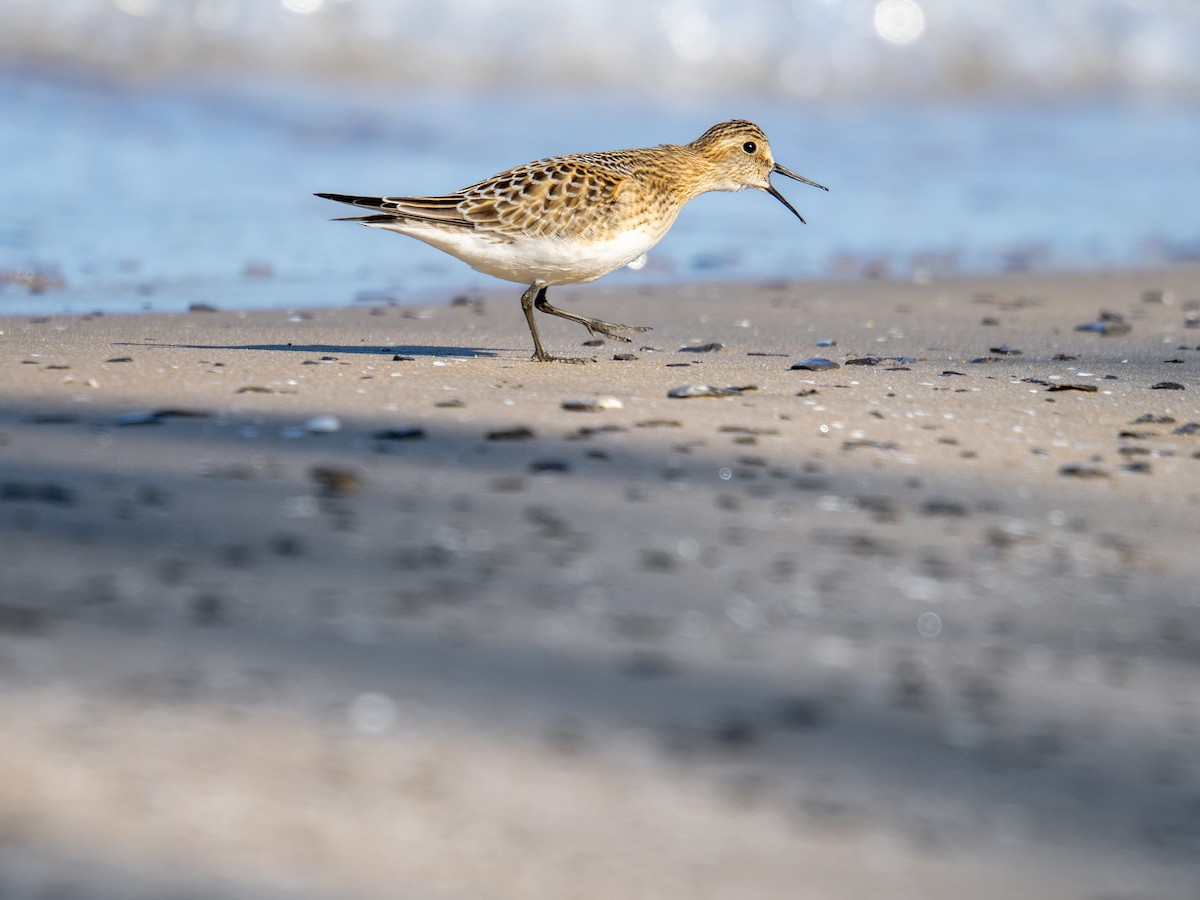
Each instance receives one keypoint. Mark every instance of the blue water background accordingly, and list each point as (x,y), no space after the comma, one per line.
(157,186)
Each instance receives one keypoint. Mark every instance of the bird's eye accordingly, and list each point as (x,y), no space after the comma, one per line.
(749,146)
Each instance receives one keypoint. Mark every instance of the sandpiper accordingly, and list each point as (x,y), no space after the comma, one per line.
(572,219)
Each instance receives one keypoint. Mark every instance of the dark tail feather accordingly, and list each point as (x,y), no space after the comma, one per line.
(371,202)
(368,220)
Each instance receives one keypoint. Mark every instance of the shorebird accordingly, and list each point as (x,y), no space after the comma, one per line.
(572,219)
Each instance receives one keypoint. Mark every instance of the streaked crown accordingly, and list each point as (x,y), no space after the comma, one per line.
(740,153)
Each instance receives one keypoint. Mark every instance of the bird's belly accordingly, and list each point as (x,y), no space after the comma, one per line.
(549,261)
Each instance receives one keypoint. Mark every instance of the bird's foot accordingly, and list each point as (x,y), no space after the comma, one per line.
(546,357)
(610,330)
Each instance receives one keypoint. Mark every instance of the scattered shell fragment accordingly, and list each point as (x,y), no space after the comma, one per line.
(815,364)
(157,416)
(593,404)
(324,424)
(686,391)
(1108,324)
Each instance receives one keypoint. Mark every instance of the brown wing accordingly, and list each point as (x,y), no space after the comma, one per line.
(576,196)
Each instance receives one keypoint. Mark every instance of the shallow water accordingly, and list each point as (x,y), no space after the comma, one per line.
(122,198)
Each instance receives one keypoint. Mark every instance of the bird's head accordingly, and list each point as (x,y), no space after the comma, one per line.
(740,157)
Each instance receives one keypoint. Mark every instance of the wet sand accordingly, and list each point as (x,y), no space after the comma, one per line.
(362,602)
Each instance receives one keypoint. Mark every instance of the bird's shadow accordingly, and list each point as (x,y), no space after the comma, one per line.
(333,349)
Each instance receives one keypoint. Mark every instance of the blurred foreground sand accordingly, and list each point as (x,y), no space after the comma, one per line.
(282,615)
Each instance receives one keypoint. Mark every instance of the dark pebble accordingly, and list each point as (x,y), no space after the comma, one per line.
(624,357)
(865,361)
(208,609)
(21,619)
(254,389)
(757,353)
(1005,351)
(801,713)
(120,359)
(647,664)
(703,348)
(815,364)
(946,373)
(870,445)
(594,342)
(1167,386)
(735,733)
(943,508)
(1073,470)
(1153,419)
(287,545)
(520,433)
(37,492)
(401,358)
(202,307)
(1064,357)
(399,434)
(1189,428)
(1083,388)
(549,465)
(983,360)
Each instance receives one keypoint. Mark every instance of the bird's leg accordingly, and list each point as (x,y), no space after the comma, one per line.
(536,296)
(595,326)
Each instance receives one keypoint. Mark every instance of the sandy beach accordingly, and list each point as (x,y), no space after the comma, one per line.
(361,602)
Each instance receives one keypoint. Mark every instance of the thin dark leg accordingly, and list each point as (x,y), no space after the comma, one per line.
(527,300)
(595,326)
(536,296)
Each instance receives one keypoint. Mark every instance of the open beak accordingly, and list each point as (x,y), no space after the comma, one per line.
(788,173)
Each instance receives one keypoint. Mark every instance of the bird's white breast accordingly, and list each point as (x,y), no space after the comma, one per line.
(526,260)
